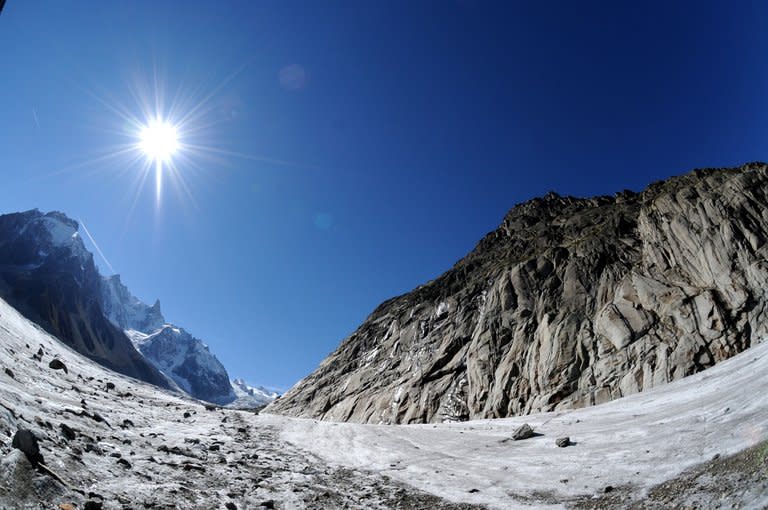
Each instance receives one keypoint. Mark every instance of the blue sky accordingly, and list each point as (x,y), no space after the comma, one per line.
(354,149)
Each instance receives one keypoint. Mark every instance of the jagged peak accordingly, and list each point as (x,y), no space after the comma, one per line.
(63,218)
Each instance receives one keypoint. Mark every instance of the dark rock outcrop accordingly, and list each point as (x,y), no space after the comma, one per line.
(26,441)
(570,302)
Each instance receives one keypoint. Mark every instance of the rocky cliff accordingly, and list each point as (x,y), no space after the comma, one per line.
(570,302)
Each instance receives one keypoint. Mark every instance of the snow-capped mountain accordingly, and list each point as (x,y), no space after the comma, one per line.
(186,360)
(172,350)
(249,397)
(48,275)
(126,310)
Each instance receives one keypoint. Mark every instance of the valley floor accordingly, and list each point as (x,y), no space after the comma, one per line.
(110,439)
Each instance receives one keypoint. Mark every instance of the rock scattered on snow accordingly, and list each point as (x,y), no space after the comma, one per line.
(26,441)
(524,431)
(57,364)
(67,431)
(562,442)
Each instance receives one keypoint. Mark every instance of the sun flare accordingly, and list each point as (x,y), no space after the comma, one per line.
(158,140)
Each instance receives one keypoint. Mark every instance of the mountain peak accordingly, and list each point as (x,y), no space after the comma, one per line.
(127,311)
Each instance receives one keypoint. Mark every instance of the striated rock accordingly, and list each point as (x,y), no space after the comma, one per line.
(570,302)
(524,431)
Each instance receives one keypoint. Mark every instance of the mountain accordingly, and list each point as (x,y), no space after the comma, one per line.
(570,302)
(250,397)
(48,275)
(126,310)
(171,349)
(90,438)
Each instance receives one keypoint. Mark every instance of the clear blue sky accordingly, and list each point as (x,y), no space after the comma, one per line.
(400,133)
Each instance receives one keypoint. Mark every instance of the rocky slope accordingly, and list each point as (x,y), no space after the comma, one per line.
(570,302)
(108,441)
(113,442)
(47,274)
(172,350)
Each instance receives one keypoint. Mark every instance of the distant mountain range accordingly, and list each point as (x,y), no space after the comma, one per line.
(47,273)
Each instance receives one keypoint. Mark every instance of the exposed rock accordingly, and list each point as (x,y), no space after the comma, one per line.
(562,442)
(93,505)
(524,431)
(67,431)
(26,441)
(570,302)
(9,373)
(57,364)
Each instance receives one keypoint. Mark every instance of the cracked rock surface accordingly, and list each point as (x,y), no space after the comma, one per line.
(570,302)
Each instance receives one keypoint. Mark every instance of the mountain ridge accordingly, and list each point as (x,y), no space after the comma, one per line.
(569,302)
(47,273)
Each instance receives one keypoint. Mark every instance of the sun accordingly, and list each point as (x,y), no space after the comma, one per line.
(158,140)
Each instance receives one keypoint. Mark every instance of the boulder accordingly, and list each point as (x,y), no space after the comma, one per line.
(524,431)
(57,364)
(26,441)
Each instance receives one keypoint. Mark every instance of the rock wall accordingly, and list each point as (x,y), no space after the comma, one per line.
(570,302)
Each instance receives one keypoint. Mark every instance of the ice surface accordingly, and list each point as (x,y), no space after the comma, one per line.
(637,441)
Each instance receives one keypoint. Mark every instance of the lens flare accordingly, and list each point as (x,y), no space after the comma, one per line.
(158,140)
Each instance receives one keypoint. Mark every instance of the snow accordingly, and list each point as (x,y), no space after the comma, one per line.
(182,454)
(249,397)
(125,310)
(639,441)
(61,233)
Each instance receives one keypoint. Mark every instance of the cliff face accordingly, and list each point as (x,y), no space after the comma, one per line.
(570,302)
